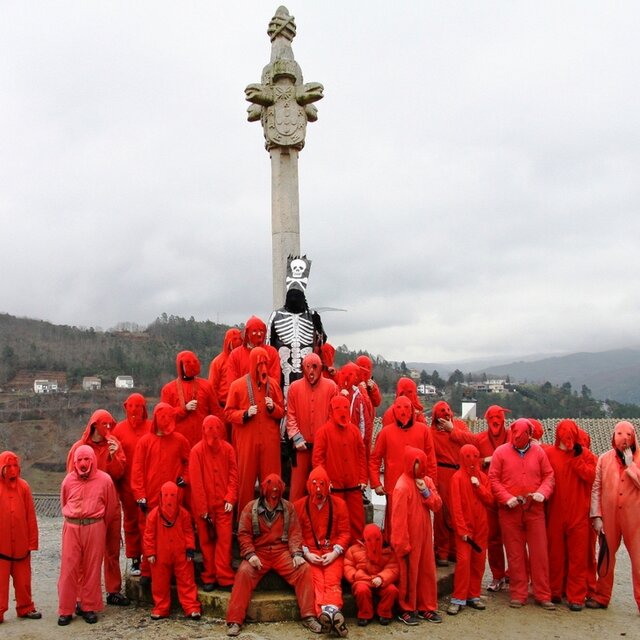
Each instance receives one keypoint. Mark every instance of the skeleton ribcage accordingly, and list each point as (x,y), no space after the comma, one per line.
(292,328)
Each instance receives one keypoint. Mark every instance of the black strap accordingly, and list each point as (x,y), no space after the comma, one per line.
(11,559)
(327,535)
(448,465)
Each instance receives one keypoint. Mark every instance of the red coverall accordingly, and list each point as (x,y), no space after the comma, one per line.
(389,448)
(367,382)
(276,543)
(523,472)
(239,364)
(469,502)
(568,527)
(324,521)
(412,536)
(129,432)
(585,441)
(256,437)
(213,473)
(308,406)
(169,545)
(89,500)
(361,410)
(18,535)
(363,563)
(339,449)
(327,355)
(616,499)
(114,465)
(448,457)
(406,387)
(193,398)
(161,455)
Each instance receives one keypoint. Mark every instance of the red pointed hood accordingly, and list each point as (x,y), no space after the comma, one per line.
(9,466)
(135,408)
(169,504)
(102,422)
(440,410)
(407,387)
(470,459)
(232,339)
(410,458)
(187,365)
(318,485)
(213,430)
(255,331)
(567,434)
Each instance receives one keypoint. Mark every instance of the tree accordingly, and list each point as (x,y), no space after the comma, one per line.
(436,380)
(424,377)
(456,377)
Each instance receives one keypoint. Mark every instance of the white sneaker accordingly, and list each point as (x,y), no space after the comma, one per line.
(497,585)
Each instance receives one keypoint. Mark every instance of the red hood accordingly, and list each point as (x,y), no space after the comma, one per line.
(567,433)
(187,365)
(407,387)
(440,410)
(233,338)
(100,415)
(624,428)
(318,484)
(136,400)
(85,451)
(253,324)
(470,459)
(7,458)
(411,456)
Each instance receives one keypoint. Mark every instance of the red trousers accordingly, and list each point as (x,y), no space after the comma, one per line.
(364,594)
(255,460)
(216,553)
(418,585)
(83,549)
(568,550)
(130,511)
(467,579)
(495,549)
(112,575)
(355,506)
(327,583)
(20,572)
(524,527)
(299,475)
(280,561)
(161,573)
(444,538)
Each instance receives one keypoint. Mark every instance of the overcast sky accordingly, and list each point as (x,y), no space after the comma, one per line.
(471,187)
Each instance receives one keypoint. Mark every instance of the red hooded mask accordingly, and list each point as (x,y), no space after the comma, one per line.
(407,387)
(521,431)
(567,435)
(164,419)
(312,368)
(259,366)
(328,354)
(187,365)
(271,490)
(470,459)
(624,436)
(403,411)
(340,411)
(169,503)
(84,462)
(9,466)
(494,416)
(100,422)
(135,408)
(349,376)
(584,438)
(373,543)
(415,462)
(212,432)
(232,340)
(537,429)
(255,331)
(318,485)
(441,410)
(366,367)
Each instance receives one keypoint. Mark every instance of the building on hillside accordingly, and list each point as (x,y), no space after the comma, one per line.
(45,386)
(124,382)
(496,386)
(427,390)
(414,374)
(91,383)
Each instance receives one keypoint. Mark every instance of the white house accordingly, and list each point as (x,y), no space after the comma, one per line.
(124,382)
(91,383)
(45,386)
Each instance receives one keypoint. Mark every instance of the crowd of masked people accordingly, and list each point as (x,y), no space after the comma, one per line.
(183,479)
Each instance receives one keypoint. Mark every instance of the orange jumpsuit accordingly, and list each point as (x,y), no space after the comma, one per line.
(360,407)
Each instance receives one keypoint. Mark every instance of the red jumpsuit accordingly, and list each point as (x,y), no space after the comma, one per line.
(365,561)
(183,391)
(275,542)
(256,438)
(568,527)
(327,355)
(523,472)
(339,449)
(368,384)
(129,431)
(361,410)
(239,364)
(389,449)
(585,441)
(89,501)
(469,503)
(412,535)
(616,499)
(307,410)
(169,545)
(213,473)
(114,465)
(324,521)
(18,535)
(406,387)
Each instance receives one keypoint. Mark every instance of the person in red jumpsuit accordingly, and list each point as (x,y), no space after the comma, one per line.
(18,538)
(521,480)
(218,374)
(169,546)
(407,388)
(592,574)
(128,432)
(360,408)
(238,364)
(213,474)
(254,408)
(308,407)
(443,429)
(339,449)
(574,470)
(615,509)
(324,521)
(389,450)
(470,498)
(161,455)
(89,502)
(368,386)
(372,570)
(328,355)
(110,458)
(270,538)
(414,498)
(192,397)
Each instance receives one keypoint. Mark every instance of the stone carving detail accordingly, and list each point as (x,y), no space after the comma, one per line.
(282,102)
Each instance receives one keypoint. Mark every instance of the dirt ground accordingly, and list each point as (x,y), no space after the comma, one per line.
(498,621)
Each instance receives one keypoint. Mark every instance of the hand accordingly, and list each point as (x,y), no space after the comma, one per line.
(228,507)
(512,502)
(313,558)
(254,561)
(627,454)
(301,446)
(180,481)
(380,491)
(596,523)
(252,410)
(344,392)
(370,383)
(328,558)
(192,405)
(486,461)
(445,425)
(269,403)
(362,485)
(474,481)
(376,582)
(142,504)
(421,484)
(465,538)
(537,496)
(297,561)
(151,559)
(112,445)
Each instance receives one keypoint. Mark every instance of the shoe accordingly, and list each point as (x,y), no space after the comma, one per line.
(497,585)
(476,604)
(63,621)
(547,605)
(312,624)
(575,606)
(454,609)
(442,562)
(594,604)
(79,611)
(430,616)
(90,617)
(409,619)
(325,621)
(556,599)
(118,599)
(363,622)
(157,616)
(233,629)
(145,581)
(208,586)
(135,568)
(194,615)
(384,621)
(32,615)
(516,604)
(340,625)
(452,557)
